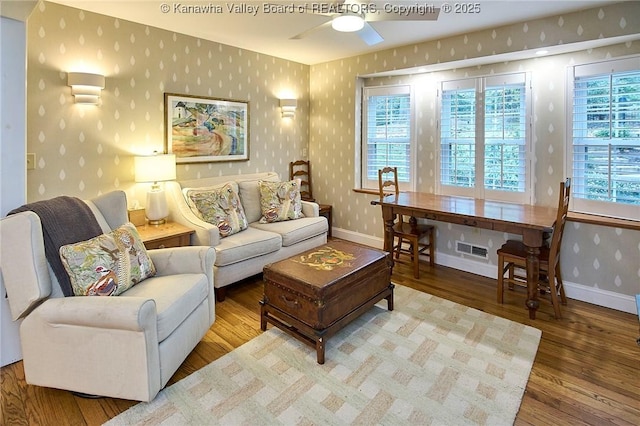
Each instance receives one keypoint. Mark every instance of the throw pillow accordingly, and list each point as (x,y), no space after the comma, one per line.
(280,201)
(109,264)
(220,207)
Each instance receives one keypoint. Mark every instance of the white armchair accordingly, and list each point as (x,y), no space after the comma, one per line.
(127,346)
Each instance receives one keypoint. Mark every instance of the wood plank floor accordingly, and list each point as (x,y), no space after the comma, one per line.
(586,372)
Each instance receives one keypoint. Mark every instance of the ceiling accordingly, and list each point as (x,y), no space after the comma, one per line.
(259,26)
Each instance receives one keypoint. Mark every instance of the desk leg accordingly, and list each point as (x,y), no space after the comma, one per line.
(533,272)
(389,220)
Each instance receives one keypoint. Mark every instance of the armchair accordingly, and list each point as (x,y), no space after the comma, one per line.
(125,346)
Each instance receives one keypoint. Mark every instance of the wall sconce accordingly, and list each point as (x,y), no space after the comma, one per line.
(85,87)
(288,107)
(156,168)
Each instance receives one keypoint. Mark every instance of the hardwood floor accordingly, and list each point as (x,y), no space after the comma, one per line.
(586,372)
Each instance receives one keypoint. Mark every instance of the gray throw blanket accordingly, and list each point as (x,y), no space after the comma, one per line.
(65,220)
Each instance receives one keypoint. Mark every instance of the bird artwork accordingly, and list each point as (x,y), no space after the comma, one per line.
(106,284)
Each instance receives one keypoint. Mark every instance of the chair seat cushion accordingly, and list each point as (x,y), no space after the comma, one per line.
(406,229)
(176,296)
(515,248)
(294,231)
(247,244)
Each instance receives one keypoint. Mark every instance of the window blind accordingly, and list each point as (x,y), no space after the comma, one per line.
(606,135)
(387,132)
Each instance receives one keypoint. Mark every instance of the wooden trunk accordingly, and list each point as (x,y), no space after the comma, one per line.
(316,293)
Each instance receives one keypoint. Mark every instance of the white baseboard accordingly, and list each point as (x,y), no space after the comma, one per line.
(596,296)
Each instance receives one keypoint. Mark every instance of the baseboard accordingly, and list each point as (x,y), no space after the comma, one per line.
(357,237)
(595,296)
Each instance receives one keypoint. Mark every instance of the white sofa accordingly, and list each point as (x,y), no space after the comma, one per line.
(244,254)
(125,346)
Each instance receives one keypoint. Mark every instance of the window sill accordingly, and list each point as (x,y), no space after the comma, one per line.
(365,191)
(604,220)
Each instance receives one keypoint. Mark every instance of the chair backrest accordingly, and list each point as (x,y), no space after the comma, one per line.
(301,169)
(558,229)
(385,182)
(24,269)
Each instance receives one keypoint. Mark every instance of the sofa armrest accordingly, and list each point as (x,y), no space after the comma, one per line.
(184,260)
(205,233)
(118,312)
(310,209)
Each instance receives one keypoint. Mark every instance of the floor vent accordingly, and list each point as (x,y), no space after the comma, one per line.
(472,250)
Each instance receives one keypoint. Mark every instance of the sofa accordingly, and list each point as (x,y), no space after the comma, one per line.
(245,253)
(126,346)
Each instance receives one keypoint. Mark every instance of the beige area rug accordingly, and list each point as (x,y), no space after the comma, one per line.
(430,361)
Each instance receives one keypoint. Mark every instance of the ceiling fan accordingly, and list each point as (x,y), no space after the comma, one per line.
(354,16)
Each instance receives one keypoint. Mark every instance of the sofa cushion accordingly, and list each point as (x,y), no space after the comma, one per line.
(176,296)
(219,206)
(250,195)
(294,231)
(246,245)
(280,201)
(108,264)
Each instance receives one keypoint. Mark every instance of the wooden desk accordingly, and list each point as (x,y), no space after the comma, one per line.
(532,222)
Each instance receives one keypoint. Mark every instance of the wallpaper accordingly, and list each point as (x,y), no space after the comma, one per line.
(84,151)
(593,256)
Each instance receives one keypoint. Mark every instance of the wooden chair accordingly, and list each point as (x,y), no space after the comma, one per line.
(301,169)
(410,232)
(513,255)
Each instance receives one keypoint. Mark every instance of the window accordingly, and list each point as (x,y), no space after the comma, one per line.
(604,154)
(387,134)
(484,137)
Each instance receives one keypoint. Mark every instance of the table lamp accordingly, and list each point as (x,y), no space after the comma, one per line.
(156,168)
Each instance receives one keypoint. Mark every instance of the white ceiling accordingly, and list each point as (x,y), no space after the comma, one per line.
(270,33)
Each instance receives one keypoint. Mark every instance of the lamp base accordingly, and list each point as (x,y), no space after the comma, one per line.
(157,209)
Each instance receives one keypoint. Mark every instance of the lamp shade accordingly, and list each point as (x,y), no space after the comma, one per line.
(155,168)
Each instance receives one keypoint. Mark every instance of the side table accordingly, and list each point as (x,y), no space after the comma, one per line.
(326,210)
(168,234)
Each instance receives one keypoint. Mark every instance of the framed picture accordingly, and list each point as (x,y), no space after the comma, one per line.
(201,130)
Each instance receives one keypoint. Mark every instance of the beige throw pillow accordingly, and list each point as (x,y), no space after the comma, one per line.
(109,264)
(280,201)
(220,206)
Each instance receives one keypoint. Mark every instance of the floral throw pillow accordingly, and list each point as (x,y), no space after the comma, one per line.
(280,201)
(220,207)
(109,264)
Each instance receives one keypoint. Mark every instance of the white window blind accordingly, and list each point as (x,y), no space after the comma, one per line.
(387,134)
(484,137)
(458,129)
(605,158)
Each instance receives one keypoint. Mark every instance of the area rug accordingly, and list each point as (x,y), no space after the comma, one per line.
(428,362)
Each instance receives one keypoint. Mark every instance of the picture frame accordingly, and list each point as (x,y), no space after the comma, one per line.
(202,129)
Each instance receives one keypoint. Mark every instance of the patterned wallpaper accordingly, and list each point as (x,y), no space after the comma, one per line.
(85,151)
(593,256)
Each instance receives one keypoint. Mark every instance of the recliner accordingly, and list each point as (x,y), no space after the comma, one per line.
(127,346)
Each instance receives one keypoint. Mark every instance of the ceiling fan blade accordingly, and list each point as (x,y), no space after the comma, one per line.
(431,14)
(311,30)
(370,35)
